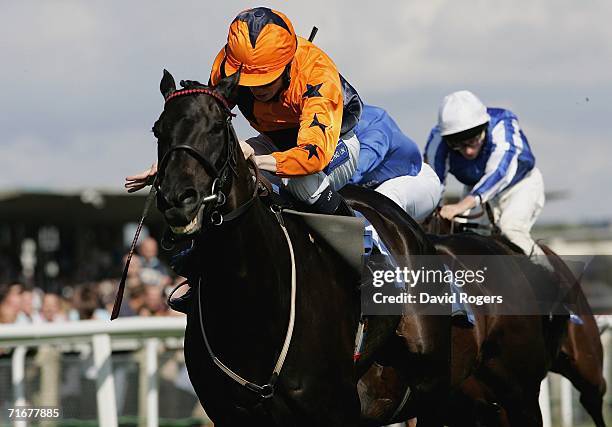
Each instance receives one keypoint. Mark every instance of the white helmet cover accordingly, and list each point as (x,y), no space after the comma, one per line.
(461,111)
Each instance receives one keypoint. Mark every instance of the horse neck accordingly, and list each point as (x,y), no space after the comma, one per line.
(244,291)
(248,251)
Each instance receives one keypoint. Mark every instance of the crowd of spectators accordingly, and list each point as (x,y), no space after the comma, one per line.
(148,284)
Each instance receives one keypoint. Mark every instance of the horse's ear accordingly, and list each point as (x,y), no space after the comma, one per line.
(167,84)
(227,85)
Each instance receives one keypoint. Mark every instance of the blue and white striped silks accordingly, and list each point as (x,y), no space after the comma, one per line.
(504,159)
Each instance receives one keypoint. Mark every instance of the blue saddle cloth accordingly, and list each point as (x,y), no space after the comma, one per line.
(368,238)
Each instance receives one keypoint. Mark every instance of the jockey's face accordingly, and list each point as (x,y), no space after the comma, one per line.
(470,148)
(267,93)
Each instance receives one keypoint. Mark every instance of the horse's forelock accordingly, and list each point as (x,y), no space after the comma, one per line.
(185,119)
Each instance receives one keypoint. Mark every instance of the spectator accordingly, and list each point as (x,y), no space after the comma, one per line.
(148,251)
(10,302)
(107,290)
(30,306)
(154,304)
(88,303)
(52,310)
(135,301)
(153,271)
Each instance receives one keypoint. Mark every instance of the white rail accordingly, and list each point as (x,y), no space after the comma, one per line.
(99,334)
(103,335)
(82,331)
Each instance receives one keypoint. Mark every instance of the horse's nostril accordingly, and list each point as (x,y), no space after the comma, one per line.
(188,197)
(162,202)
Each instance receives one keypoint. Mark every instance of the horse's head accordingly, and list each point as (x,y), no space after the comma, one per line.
(196,152)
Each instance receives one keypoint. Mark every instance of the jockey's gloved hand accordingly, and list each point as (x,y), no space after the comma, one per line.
(247,150)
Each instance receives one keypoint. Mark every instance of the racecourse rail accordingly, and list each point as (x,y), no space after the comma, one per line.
(98,333)
(104,336)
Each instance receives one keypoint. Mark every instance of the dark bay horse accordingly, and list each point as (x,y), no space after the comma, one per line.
(242,328)
(271,328)
(580,358)
(494,367)
(244,281)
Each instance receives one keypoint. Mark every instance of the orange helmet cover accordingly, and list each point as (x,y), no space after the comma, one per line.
(261,42)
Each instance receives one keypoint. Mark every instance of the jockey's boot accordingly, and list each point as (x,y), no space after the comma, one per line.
(184,264)
(183,303)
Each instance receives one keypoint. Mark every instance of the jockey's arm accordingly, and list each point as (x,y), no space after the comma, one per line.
(266,162)
(452,210)
(321,109)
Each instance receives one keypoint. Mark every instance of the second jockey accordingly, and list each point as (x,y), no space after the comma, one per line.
(486,150)
(310,122)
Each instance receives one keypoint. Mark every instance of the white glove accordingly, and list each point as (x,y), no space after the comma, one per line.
(247,150)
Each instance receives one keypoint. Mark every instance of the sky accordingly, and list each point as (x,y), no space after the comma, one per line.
(80,79)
